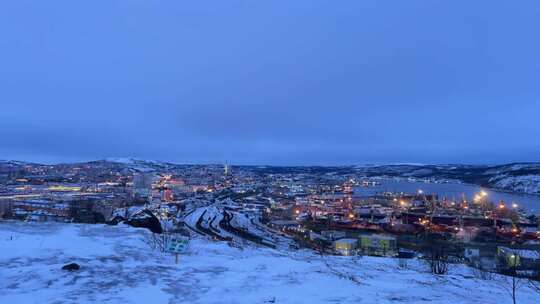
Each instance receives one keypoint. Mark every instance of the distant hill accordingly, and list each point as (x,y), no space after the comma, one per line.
(517,177)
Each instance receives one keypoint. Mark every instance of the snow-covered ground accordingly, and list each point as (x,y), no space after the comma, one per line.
(118,267)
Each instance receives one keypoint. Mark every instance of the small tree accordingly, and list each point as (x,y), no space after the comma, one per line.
(534,280)
(512,283)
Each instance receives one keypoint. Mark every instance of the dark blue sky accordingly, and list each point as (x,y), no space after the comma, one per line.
(271,82)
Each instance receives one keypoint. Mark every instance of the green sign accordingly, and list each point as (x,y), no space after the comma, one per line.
(178,245)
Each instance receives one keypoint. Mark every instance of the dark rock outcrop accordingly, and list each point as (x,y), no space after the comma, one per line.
(71,267)
(145,219)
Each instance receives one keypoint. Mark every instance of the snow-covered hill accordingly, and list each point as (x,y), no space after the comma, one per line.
(140,165)
(117,266)
(520,183)
(516,177)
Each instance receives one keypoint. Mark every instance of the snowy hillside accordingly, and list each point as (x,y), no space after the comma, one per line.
(117,266)
(524,183)
(516,177)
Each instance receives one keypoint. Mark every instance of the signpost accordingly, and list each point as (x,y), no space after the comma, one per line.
(178,245)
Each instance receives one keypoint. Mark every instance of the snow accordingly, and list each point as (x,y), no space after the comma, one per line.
(523,183)
(118,267)
(212,215)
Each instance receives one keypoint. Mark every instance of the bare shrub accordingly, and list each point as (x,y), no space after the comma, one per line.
(160,241)
(402,263)
(437,259)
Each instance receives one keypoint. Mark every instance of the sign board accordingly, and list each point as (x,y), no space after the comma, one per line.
(178,245)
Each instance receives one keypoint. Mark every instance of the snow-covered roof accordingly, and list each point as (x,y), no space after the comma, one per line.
(347,241)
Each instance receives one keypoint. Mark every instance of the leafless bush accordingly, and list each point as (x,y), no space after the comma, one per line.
(150,239)
(402,263)
(160,241)
(437,259)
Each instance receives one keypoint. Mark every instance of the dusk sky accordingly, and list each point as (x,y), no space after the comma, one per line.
(271,82)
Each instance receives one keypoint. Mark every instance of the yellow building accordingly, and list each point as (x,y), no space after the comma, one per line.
(346,246)
(376,244)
